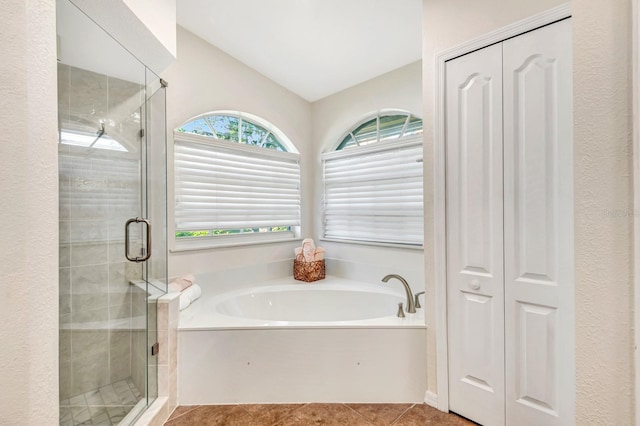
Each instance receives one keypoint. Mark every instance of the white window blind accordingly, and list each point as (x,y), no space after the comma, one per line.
(374,193)
(223,185)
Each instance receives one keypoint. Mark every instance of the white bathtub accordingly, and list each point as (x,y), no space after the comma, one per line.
(286,341)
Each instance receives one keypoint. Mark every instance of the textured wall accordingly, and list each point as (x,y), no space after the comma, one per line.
(603,202)
(29,215)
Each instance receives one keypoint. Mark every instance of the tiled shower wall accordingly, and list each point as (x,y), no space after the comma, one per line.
(99,190)
(168,311)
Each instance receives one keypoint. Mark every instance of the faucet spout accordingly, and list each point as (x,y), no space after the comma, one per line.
(411,308)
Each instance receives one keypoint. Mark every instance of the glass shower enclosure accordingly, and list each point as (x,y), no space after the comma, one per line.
(112,208)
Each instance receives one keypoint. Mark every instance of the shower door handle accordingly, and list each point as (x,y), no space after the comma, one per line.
(147,254)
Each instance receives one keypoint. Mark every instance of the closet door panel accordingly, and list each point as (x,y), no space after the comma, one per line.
(538,227)
(474,235)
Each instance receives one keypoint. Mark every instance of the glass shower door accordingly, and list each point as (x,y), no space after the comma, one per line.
(154,191)
(106,302)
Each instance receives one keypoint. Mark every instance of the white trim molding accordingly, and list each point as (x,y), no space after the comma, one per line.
(431,399)
(441,400)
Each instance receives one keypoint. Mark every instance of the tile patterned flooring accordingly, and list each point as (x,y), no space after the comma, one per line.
(313,414)
(105,406)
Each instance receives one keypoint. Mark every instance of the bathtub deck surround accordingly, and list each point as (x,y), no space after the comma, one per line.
(305,414)
(288,303)
(265,343)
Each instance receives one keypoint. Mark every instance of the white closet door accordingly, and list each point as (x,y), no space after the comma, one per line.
(474,235)
(538,231)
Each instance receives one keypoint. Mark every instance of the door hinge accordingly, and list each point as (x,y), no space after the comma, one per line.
(155,349)
(141,133)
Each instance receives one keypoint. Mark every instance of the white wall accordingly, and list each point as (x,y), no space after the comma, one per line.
(603,183)
(331,118)
(29,216)
(206,79)
(159,16)
(146,28)
(602,176)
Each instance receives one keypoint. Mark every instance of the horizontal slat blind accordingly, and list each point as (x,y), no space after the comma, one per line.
(375,196)
(229,187)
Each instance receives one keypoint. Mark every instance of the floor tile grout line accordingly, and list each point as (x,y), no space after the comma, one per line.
(195,407)
(243,409)
(402,414)
(359,413)
(409,407)
(290,413)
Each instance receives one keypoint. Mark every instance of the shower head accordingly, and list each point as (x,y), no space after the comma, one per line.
(101,132)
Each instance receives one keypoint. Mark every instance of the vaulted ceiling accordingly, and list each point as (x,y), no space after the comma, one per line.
(312,47)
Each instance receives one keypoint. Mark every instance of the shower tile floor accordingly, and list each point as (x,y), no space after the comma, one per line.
(105,406)
(314,414)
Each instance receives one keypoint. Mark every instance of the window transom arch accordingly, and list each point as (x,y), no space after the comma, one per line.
(240,127)
(385,126)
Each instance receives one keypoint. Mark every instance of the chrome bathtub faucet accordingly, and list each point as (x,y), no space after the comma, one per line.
(411,307)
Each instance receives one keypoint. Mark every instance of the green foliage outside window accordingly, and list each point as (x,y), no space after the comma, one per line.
(182,234)
(214,232)
(234,129)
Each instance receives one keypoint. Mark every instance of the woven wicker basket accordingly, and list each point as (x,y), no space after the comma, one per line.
(308,271)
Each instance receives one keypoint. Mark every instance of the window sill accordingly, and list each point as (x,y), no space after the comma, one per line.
(208,244)
(374,243)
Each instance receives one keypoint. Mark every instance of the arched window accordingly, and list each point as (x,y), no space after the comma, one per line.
(234,128)
(381,128)
(237,179)
(373,182)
